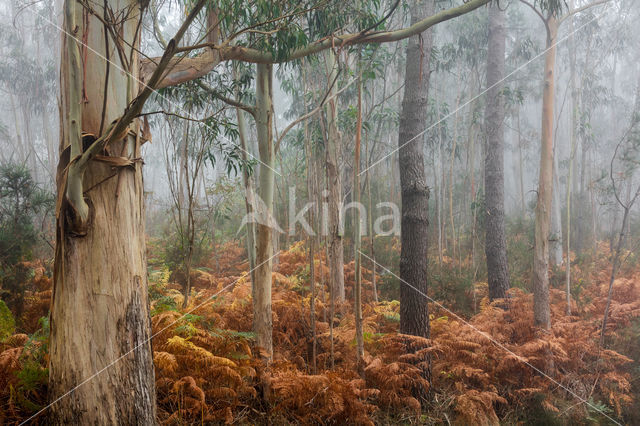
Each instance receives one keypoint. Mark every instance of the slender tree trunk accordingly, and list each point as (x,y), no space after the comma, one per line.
(249,202)
(495,240)
(336,249)
(568,227)
(523,206)
(542,315)
(188,234)
(414,314)
(311,190)
(262,318)
(572,156)
(100,325)
(371,236)
(357,299)
(439,194)
(451,165)
(555,237)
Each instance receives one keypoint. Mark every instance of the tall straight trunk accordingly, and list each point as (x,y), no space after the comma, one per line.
(100,324)
(451,165)
(495,240)
(541,312)
(312,172)
(573,142)
(439,192)
(262,318)
(371,236)
(247,181)
(357,298)
(188,232)
(414,313)
(336,248)
(523,207)
(471,156)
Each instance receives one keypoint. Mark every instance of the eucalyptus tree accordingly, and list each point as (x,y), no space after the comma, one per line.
(100,278)
(100,260)
(550,12)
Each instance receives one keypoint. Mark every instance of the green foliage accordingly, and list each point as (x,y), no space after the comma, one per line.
(21,204)
(4,132)
(520,249)
(7,323)
(176,247)
(282,26)
(453,284)
(34,374)
(20,201)
(163,304)
(597,410)
(552,7)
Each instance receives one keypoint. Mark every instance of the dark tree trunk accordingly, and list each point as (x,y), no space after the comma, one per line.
(495,241)
(414,314)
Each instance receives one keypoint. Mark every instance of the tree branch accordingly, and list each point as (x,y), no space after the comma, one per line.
(252,55)
(120,128)
(250,109)
(582,9)
(192,68)
(540,15)
(311,113)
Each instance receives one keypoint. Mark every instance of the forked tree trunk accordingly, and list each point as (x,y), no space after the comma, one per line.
(336,249)
(100,326)
(495,240)
(262,319)
(542,315)
(414,314)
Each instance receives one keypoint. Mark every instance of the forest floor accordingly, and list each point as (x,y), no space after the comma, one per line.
(486,368)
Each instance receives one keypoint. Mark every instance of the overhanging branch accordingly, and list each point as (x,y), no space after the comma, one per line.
(192,68)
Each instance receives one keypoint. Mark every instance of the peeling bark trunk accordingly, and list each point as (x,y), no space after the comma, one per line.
(542,315)
(495,240)
(414,314)
(100,325)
